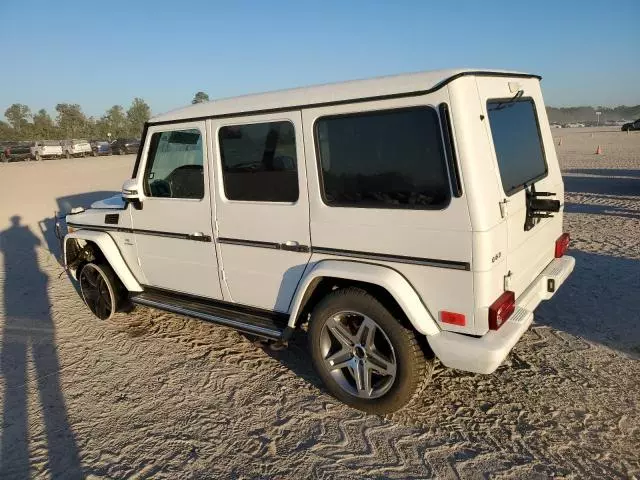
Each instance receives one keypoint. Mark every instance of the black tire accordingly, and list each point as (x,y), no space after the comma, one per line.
(411,371)
(101,289)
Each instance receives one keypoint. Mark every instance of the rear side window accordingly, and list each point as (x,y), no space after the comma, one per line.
(259,162)
(175,165)
(383,159)
(516,139)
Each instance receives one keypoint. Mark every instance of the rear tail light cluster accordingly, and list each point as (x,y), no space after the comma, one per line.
(562,244)
(501,310)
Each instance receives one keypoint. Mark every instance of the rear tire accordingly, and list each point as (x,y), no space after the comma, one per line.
(101,289)
(364,355)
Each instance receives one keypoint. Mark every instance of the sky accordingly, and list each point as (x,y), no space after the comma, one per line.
(99,54)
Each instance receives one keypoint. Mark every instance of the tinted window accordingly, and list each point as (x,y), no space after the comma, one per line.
(516,138)
(387,159)
(174,168)
(259,162)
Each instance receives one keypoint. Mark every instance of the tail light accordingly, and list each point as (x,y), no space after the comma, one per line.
(562,244)
(501,310)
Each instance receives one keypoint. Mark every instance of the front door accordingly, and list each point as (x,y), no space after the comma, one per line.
(262,207)
(173,228)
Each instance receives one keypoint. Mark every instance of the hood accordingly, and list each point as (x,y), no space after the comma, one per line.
(115,202)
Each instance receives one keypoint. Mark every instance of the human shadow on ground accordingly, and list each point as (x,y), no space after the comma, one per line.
(598,302)
(29,328)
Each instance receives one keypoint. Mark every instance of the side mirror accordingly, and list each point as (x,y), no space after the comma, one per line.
(130,193)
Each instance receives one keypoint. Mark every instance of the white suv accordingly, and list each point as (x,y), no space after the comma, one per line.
(399,218)
(76,148)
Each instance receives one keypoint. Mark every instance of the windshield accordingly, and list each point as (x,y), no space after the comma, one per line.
(516,138)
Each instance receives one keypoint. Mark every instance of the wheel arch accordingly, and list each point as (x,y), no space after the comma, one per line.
(386,284)
(101,245)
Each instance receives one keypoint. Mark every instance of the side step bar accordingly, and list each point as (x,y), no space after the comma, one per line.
(262,323)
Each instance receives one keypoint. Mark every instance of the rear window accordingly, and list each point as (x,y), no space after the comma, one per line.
(383,159)
(516,138)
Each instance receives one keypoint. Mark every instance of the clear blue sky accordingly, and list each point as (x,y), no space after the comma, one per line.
(99,54)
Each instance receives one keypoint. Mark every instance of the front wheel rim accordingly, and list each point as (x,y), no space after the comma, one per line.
(358,355)
(96,292)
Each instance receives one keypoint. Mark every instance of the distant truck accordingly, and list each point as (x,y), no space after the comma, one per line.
(41,149)
(631,126)
(15,151)
(123,146)
(76,148)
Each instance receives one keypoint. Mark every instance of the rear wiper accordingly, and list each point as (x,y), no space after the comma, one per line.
(507,103)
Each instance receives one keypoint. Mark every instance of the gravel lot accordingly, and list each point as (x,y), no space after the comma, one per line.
(152,394)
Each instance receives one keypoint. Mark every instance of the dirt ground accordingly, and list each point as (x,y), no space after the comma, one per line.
(156,395)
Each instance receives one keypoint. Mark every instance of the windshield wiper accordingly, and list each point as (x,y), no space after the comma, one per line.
(508,103)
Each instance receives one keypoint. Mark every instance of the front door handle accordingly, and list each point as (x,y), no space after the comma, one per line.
(199,237)
(293,246)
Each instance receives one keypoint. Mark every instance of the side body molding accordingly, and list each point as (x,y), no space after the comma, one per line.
(385,277)
(110,251)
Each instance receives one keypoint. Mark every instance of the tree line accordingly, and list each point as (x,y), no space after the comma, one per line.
(588,114)
(71,122)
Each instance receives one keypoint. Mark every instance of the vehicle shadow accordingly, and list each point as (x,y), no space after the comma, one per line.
(598,302)
(607,172)
(602,185)
(29,328)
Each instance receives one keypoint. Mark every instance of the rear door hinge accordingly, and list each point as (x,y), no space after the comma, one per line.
(503,207)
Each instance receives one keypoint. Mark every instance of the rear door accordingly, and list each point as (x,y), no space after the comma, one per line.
(517,126)
(262,207)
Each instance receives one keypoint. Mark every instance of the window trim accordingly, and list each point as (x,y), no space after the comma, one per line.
(223,190)
(147,163)
(383,111)
(535,179)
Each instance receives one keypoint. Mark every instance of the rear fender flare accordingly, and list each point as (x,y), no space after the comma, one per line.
(385,277)
(109,249)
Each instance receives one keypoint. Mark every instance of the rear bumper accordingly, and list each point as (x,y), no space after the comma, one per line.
(485,354)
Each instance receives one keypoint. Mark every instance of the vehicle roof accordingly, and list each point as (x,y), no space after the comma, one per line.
(421,82)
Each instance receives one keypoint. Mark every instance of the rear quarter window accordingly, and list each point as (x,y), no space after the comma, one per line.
(383,159)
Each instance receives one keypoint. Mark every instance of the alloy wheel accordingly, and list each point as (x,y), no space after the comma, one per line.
(358,354)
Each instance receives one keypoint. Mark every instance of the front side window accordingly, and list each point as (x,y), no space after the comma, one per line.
(175,165)
(516,139)
(259,162)
(383,159)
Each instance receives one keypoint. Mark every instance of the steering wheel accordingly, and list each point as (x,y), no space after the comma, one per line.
(161,188)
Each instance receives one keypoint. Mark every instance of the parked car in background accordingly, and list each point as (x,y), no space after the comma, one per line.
(100,147)
(76,148)
(41,149)
(15,151)
(631,126)
(122,146)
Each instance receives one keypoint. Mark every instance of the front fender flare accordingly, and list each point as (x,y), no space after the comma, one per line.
(397,285)
(109,249)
